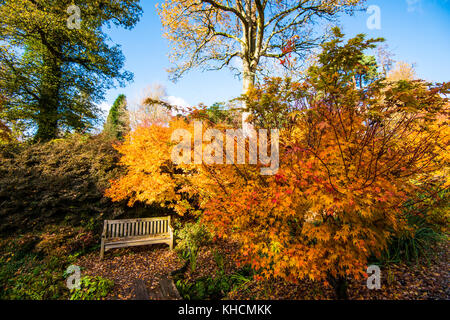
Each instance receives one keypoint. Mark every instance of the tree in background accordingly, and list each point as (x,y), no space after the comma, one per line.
(402,71)
(151,107)
(211,33)
(55,75)
(220,112)
(117,124)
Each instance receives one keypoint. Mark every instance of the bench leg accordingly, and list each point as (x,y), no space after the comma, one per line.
(171,244)
(102,250)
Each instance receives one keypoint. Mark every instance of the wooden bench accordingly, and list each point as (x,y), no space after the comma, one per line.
(135,232)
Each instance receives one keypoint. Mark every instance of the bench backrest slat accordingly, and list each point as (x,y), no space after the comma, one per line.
(136,227)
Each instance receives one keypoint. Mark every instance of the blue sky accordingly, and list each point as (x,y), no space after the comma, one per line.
(417,31)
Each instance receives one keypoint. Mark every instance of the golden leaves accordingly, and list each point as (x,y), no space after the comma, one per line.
(342,180)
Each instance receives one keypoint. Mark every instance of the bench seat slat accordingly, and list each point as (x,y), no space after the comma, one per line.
(115,245)
(138,238)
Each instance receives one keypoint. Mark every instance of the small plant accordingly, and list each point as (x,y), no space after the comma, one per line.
(411,244)
(92,288)
(26,273)
(190,238)
(213,288)
(218,258)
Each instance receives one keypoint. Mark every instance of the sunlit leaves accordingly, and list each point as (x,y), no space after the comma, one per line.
(212,33)
(351,154)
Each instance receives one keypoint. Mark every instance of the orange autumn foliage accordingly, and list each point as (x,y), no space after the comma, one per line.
(146,155)
(351,153)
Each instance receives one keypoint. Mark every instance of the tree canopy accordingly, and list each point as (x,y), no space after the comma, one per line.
(211,33)
(54,75)
(353,150)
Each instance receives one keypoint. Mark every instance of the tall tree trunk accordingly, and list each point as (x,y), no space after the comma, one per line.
(248,80)
(47,119)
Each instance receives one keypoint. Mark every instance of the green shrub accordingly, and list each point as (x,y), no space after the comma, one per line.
(59,181)
(213,288)
(29,277)
(42,283)
(216,287)
(117,123)
(415,242)
(428,220)
(219,260)
(92,288)
(189,239)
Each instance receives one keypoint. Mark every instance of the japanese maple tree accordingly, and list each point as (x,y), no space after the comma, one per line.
(354,147)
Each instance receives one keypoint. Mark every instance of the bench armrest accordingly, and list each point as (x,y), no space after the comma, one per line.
(104,230)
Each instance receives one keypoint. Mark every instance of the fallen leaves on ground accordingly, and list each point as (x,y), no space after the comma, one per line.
(426,280)
(206,264)
(123,266)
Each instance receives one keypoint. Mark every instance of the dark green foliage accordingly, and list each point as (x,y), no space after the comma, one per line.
(346,62)
(117,124)
(371,72)
(220,113)
(191,237)
(427,224)
(410,246)
(62,180)
(216,287)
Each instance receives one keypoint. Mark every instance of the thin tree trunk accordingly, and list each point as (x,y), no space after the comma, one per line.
(248,80)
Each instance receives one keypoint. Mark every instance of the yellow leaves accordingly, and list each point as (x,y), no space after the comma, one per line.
(329,207)
(147,157)
(275,247)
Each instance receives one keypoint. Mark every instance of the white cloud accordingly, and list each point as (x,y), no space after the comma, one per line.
(177,101)
(104,106)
